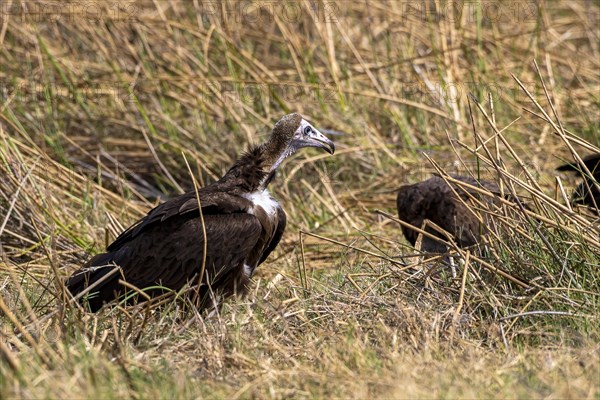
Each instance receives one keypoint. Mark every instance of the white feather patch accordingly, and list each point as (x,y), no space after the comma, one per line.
(263,200)
(247,270)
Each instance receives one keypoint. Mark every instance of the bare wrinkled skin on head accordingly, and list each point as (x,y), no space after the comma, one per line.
(291,133)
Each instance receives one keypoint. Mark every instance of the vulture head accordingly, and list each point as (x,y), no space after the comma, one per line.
(290,134)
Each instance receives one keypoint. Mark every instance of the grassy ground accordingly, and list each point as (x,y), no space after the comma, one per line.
(101,105)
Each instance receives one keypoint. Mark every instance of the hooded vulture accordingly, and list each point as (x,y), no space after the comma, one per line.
(217,243)
(449,206)
(587,192)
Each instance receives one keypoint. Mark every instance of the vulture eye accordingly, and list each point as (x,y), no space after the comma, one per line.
(307,130)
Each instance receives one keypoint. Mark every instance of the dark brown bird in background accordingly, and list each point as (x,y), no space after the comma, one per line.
(587,192)
(440,202)
(243,224)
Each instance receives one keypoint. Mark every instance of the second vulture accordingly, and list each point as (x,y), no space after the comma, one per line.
(217,243)
(449,206)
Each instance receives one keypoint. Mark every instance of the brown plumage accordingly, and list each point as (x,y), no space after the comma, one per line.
(243,223)
(586,192)
(436,201)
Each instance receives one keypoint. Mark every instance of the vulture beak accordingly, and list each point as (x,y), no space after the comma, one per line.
(307,136)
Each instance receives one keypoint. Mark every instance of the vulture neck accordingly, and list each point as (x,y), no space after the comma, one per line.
(254,170)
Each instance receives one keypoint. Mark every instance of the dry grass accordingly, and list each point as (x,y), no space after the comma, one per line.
(99,102)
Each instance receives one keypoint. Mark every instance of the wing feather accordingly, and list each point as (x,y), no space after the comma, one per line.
(170,253)
(212,203)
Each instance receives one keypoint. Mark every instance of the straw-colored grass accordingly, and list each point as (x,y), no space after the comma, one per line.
(101,104)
